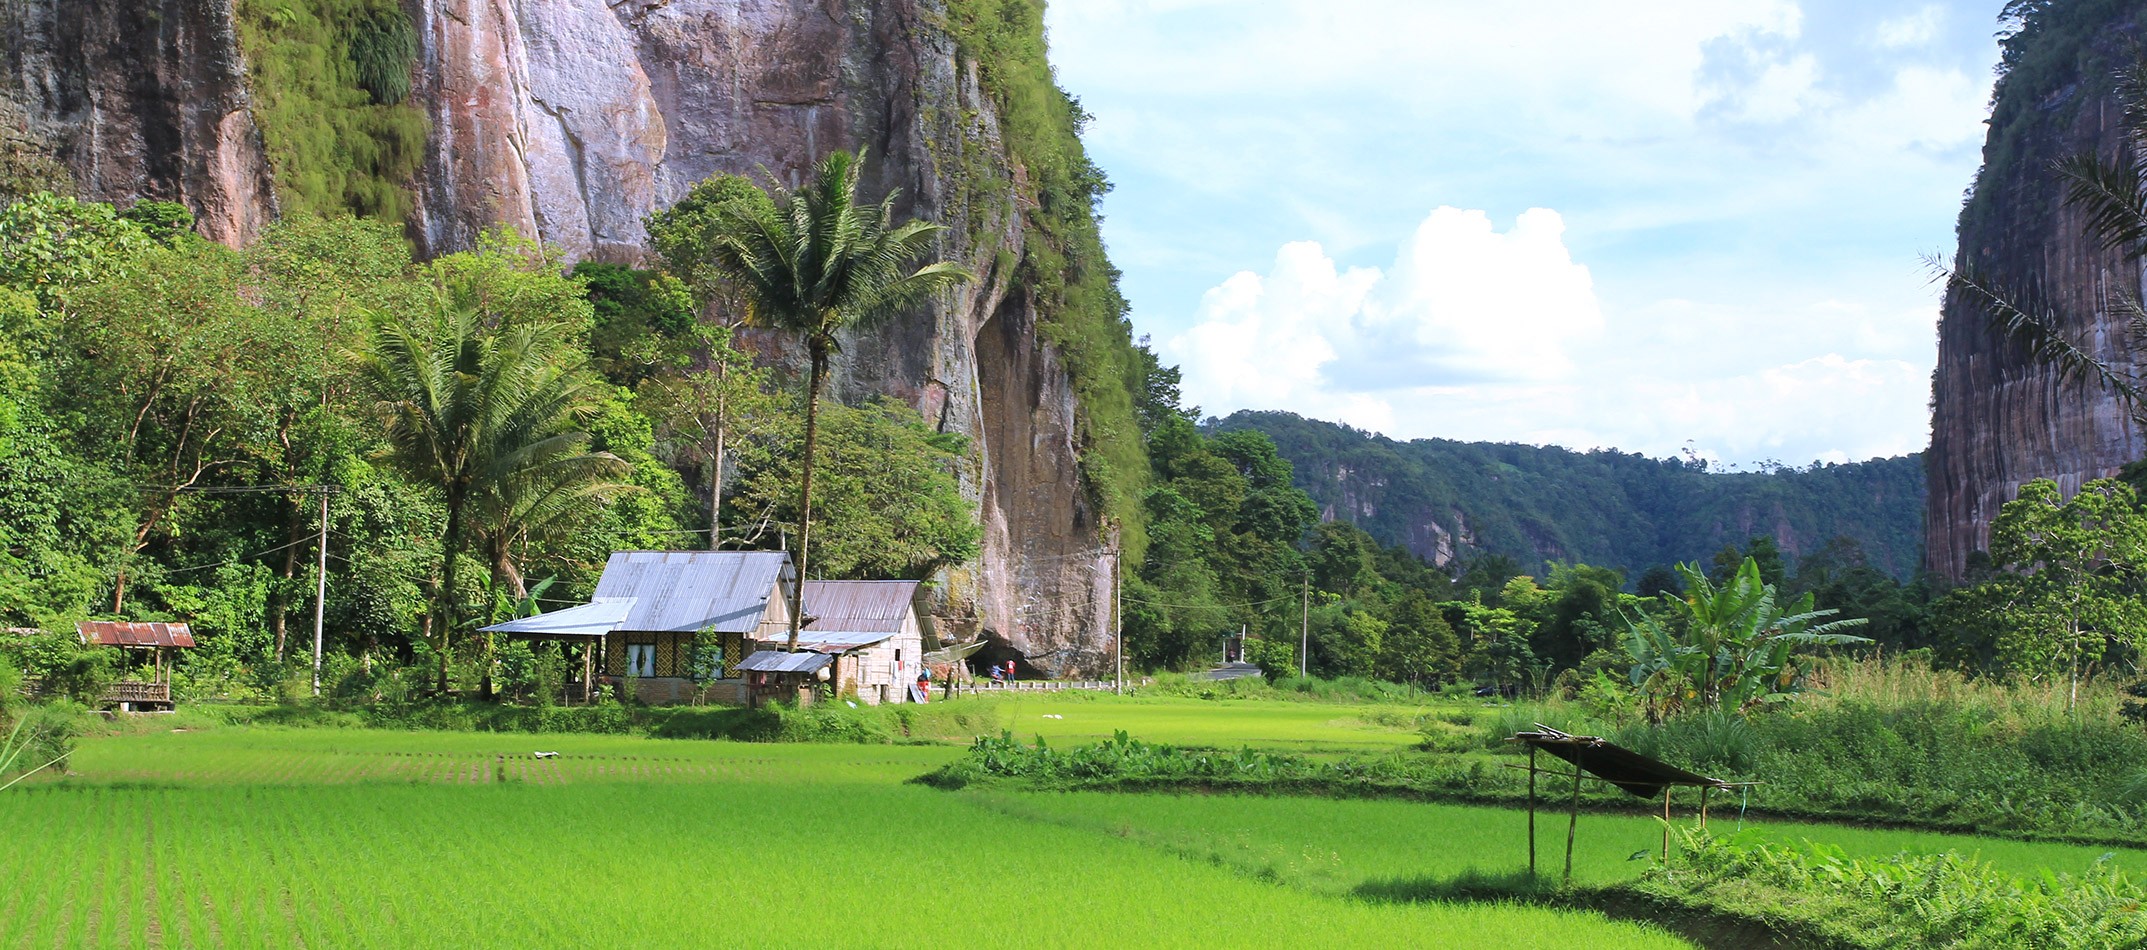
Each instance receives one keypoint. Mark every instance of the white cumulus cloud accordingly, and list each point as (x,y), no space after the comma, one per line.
(1477,333)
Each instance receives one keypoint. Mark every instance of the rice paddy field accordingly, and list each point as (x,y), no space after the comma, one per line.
(251,836)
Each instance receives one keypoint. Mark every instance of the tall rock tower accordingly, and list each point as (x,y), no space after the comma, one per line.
(2000,418)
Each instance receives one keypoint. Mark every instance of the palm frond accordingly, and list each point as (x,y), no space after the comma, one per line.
(2113,195)
(2021,316)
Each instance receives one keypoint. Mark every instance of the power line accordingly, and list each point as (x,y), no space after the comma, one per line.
(1256,603)
(308,539)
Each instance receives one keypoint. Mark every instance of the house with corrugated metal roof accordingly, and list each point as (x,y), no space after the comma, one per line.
(650,608)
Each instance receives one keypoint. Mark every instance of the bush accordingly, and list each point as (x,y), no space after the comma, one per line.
(67,668)
(1937,900)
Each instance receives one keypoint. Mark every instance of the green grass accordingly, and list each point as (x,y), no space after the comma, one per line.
(255,836)
(1217,723)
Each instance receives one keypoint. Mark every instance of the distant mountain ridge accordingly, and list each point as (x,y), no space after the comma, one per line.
(1446,500)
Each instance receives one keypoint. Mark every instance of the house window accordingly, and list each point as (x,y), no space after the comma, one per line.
(641,659)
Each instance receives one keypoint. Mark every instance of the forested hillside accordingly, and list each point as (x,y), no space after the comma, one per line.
(1446,500)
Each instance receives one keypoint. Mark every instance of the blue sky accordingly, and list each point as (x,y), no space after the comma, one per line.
(1649,226)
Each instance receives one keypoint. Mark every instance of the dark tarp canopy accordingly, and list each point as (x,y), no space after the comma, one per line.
(1637,774)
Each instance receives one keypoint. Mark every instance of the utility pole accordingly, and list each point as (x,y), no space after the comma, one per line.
(1304,630)
(320,594)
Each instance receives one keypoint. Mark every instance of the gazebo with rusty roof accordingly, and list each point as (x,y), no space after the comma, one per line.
(155,639)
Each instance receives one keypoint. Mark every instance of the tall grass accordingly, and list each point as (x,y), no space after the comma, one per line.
(1898,681)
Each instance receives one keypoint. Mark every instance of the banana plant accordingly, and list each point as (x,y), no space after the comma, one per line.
(1731,645)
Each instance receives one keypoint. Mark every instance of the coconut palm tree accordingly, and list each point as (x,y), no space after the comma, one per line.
(488,415)
(815,263)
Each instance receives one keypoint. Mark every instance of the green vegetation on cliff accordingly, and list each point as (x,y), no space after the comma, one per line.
(1063,268)
(331,84)
(1626,511)
(2056,56)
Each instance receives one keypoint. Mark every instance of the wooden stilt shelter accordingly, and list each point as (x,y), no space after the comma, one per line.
(1593,756)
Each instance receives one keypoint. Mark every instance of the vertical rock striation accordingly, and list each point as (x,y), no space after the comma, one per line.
(143,99)
(2000,419)
(573,119)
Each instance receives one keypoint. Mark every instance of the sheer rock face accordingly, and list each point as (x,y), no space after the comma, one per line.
(571,120)
(2000,419)
(142,99)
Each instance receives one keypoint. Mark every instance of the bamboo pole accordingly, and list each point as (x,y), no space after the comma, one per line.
(1573,822)
(1704,789)
(1531,810)
(1666,825)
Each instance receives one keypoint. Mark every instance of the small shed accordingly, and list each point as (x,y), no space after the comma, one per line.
(1630,772)
(871,628)
(147,685)
(774,675)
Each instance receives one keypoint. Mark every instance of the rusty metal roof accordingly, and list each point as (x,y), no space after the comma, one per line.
(687,591)
(842,610)
(113,633)
(772,661)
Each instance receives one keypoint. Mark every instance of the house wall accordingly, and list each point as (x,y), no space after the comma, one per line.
(876,667)
(679,691)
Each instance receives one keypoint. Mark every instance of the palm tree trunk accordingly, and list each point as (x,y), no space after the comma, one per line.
(715,465)
(819,350)
(451,542)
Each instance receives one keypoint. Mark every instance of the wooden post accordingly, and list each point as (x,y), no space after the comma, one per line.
(1704,789)
(1666,825)
(1573,822)
(1531,810)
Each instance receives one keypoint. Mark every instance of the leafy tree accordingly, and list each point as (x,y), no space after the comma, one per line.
(486,416)
(1419,646)
(2068,593)
(637,316)
(1730,645)
(888,495)
(816,264)
(1657,581)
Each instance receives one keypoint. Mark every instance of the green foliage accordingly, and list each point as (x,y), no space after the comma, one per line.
(161,221)
(383,50)
(50,243)
(1730,647)
(886,500)
(66,667)
(2065,600)
(636,312)
(1919,900)
(329,80)
(1623,511)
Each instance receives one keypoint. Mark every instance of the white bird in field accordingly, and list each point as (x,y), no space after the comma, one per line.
(547,755)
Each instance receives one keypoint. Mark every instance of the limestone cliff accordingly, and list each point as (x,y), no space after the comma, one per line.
(2000,419)
(573,119)
(142,99)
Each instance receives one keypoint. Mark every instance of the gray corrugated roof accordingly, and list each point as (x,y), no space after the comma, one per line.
(586,620)
(844,609)
(685,591)
(775,661)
